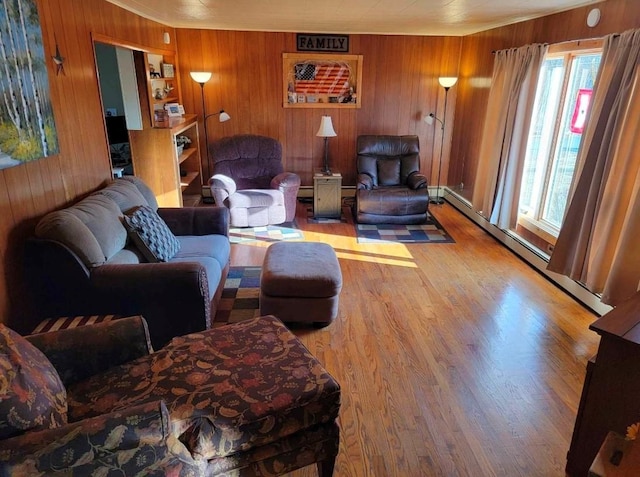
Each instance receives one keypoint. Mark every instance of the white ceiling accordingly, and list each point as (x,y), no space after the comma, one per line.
(395,17)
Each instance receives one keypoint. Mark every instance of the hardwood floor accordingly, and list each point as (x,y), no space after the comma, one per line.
(454,359)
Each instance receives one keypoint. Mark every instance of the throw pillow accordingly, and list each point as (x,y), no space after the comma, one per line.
(32,396)
(151,234)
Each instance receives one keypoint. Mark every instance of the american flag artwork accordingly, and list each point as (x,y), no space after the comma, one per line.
(330,79)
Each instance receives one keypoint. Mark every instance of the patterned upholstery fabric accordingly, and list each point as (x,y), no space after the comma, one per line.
(132,442)
(104,345)
(283,456)
(151,234)
(227,390)
(32,396)
(135,441)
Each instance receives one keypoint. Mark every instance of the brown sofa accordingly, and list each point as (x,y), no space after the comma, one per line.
(390,188)
(82,262)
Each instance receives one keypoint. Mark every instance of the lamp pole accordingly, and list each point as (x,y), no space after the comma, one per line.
(439,200)
(206,134)
(446,82)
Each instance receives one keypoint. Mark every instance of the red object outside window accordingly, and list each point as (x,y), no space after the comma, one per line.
(580,110)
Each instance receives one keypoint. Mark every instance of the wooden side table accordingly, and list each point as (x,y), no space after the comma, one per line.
(327,194)
(611,387)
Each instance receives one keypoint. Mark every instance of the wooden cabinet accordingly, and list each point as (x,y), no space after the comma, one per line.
(609,399)
(174,177)
(327,195)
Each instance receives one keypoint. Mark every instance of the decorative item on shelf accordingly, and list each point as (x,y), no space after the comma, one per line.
(182,142)
(160,115)
(326,131)
(167,70)
(174,110)
(152,71)
(201,77)
(158,93)
(446,82)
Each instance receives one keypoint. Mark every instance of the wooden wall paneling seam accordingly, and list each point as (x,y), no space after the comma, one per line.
(192,45)
(406,121)
(447,179)
(81,53)
(53,177)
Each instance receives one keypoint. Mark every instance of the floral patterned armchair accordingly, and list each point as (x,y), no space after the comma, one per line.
(38,438)
(247,399)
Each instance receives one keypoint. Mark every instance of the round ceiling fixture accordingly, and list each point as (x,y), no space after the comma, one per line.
(593,17)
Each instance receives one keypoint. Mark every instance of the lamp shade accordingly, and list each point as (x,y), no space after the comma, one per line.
(224,116)
(447,81)
(200,76)
(429,119)
(326,128)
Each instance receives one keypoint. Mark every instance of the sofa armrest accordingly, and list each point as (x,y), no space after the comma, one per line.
(417,181)
(88,444)
(364,182)
(151,279)
(174,297)
(196,220)
(78,353)
(286,180)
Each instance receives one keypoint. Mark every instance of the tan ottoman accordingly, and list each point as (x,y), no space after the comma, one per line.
(301,282)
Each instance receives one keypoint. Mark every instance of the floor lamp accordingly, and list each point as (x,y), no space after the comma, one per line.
(446,82)
(201,77)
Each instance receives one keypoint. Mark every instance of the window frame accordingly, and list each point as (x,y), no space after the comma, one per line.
(535,223)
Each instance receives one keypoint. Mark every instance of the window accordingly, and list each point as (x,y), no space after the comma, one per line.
(562,101)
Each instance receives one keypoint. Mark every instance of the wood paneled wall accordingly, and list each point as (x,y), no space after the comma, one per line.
(29,191)
(476,65)
(399,87)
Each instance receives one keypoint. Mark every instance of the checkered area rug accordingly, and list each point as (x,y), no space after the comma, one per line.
(268,233)
(240,296)
(429,232)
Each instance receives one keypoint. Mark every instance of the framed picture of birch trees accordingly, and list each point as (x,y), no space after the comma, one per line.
(27,127)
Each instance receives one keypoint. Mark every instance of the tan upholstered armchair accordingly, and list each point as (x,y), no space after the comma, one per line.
(390,188)
(249,179)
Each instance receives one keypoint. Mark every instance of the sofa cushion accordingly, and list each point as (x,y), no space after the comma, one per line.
(256,198)
(197,247)
(125,194)
(92,229)
(213,271)
(32,396)
(228,389)
(151,234)
(144,189)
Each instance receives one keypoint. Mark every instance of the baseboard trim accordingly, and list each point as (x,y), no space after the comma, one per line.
(533,258)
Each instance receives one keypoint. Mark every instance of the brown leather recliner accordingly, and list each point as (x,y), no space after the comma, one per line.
(390,188)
